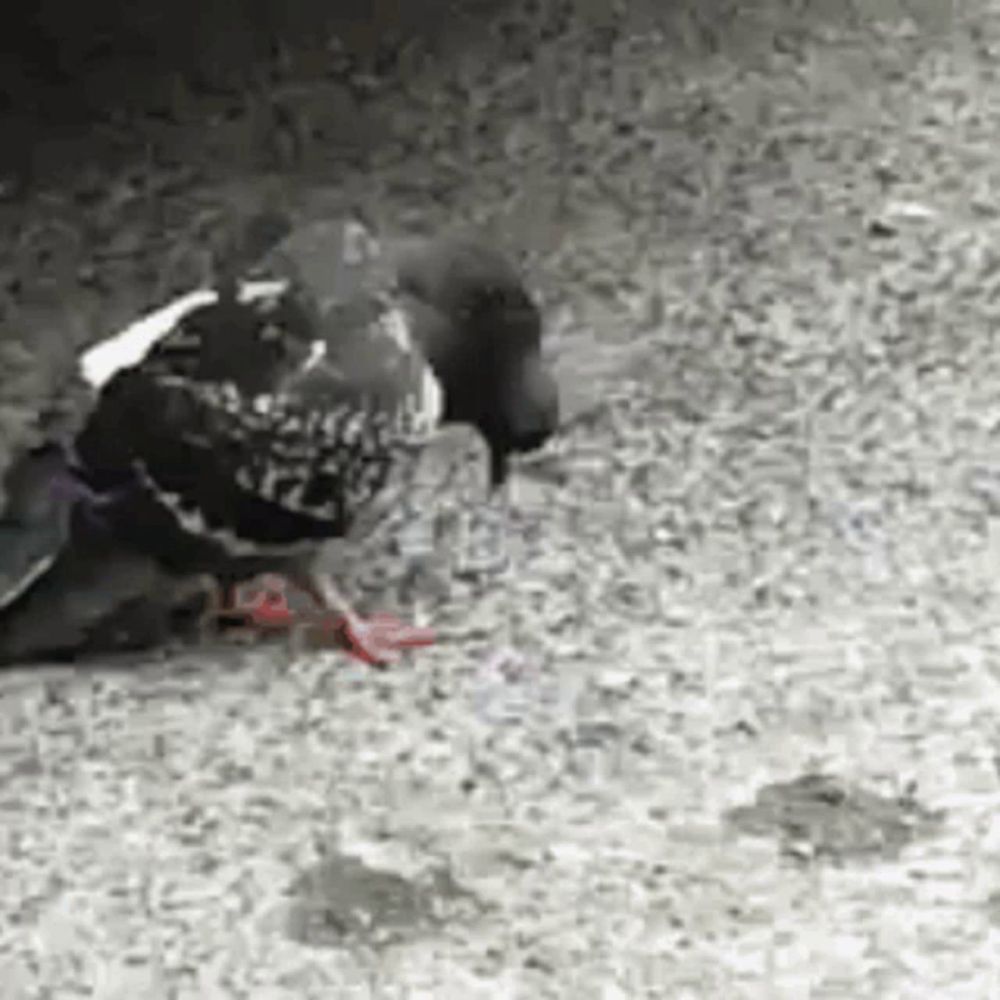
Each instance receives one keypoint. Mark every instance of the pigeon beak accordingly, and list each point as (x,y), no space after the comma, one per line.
(531,408)
(499,467)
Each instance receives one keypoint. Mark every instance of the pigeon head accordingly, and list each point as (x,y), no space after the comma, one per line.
(482,335)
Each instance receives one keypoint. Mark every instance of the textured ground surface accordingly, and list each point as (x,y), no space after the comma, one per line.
(767,547)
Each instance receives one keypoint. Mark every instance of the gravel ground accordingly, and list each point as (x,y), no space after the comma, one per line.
(764,547)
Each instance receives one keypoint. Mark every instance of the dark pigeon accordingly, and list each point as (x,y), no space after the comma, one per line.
(273,415)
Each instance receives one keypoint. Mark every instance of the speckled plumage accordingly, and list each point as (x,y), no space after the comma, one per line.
(263,452)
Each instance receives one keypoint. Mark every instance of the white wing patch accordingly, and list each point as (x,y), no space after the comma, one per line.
(99,364)
(426,407)
(129,346)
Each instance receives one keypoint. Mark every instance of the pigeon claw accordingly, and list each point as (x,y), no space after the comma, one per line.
(379,640)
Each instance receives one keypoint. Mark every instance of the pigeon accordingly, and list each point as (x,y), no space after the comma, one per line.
(243,427)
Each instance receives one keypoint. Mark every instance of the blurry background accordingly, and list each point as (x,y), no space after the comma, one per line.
(66,62)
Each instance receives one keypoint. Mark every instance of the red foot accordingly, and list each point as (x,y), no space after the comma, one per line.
(268,608)
(380,639)
(272,612)
(376,640)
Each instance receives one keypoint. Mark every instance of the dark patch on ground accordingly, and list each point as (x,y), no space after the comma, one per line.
(819,816)
(343,902)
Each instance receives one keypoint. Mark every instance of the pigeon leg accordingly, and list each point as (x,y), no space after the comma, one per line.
(220,606)
(249,610)
(339,616)
(266,608)
(183,591)
(378,641)
(485,550)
